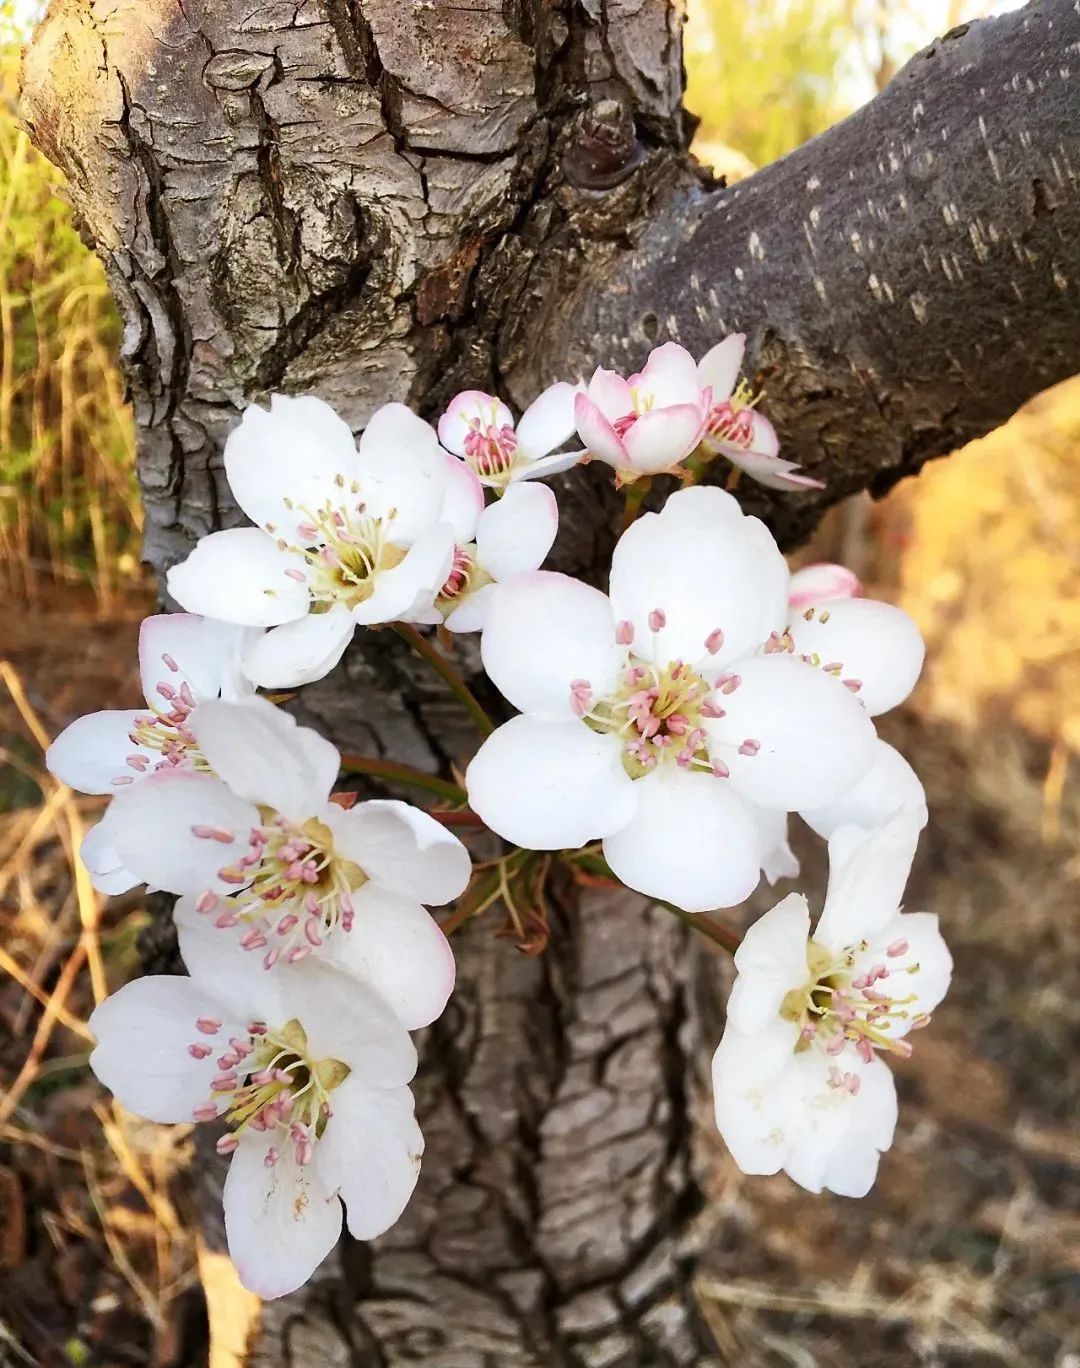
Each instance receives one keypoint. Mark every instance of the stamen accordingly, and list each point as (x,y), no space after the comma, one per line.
(714,641)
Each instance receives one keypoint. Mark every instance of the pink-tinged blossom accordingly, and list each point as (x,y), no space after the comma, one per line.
(262,856)
(735,429)
(309,1072)
(647,423)
(663,719)
(799,1078)
(184,661)
(822,582)
(480,430)
(347,534)
(508,537)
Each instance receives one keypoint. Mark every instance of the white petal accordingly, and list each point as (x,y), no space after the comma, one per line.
(543,632)
(821,583)
(887,786)
(868,872)
(143,1033)
(371,1149)
(549,784)
(107,871)
(815,739)
(463,501)
(470,610)
(280,1221)
(771,961)
(396,946)
(692,842)
(402,848)
(224,970)
(922,971)
(840,1136)
(767,468)
(403,472)
(240,576)
(299,652)
(264,756)
(595,430)
(876,643)
(719,368)
(659,440)
(778,861)
(291,455)
(151,828)
(90,753)
(515,534)
(610,393)
(412,584)
(463,410)
(752,1106)
(548,422)
(345,1019)
(546,465)
(705,570)
(207,654)
(670,376)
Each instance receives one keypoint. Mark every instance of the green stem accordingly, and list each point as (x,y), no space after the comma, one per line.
(447,674)
(635,497)
(404,774)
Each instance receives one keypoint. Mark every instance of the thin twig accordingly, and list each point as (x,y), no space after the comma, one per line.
(395,773)
(448,674)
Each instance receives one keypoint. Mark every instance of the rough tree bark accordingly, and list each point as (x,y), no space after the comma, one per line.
(377,200)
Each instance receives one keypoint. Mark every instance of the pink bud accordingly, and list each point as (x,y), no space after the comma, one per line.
(714,641)
(624,633)
(657,620)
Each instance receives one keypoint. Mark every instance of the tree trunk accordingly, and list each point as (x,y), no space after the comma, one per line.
(373,200)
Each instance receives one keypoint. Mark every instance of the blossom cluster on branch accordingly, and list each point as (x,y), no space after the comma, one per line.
(663,733)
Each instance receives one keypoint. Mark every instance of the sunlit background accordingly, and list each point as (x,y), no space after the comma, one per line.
(966,1251)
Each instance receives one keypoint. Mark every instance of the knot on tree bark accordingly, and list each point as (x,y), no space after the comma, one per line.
(603,148)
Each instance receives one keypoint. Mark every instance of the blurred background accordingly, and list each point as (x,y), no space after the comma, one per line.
(968,1252)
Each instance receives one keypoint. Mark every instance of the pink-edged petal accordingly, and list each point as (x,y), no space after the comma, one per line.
(887,786)
(466,408)
(463,501)
(143,1032)
(670,377)
(719,368)
(659,440)
(411,586)
(299,652)
(107,871)
(771,471)
(809,738)
(92,752)
(470,610)
(821,583)
(544,631)
(771,961)
(596,432)
(705,570)
(691,841)
(281,1220)
(151,828)
(548,422)
(402,472)
(403,849)
(868,872)
(240,576)
(515,534)
(284,464)
(548,784)
(371,1153)
(265,757)
(877,644)
(546,465)
(608,392)
(206,654)
(396,946)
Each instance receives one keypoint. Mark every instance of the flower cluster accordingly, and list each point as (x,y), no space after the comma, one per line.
(677,721)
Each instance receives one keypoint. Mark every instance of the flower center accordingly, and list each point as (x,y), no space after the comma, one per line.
(643,403)
(344,551)
(489,449)
(732,419)
(272,1085)
(837,1007)
(297,888)
(165,730)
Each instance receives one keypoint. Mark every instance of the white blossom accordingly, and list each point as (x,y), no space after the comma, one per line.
(480,430)
(799,1080)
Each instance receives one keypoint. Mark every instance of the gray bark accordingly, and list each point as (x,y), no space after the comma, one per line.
(377,200)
